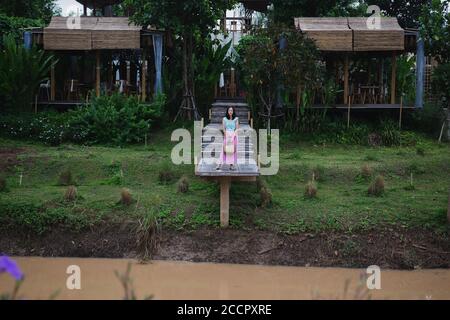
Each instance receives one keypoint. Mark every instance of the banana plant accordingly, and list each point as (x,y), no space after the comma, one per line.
(21,72)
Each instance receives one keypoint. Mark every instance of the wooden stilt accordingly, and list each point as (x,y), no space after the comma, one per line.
(52,83)
(393,77)
(110,73)
(346,79)
(400,115)
(348,112)
(144,78)
(128,72)
(97,74)
(224,201)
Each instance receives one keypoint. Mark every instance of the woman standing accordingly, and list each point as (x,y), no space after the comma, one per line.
(230,125)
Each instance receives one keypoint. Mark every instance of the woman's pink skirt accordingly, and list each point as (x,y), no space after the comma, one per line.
(229,158)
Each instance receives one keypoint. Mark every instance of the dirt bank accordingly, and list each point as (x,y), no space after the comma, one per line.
(388,248)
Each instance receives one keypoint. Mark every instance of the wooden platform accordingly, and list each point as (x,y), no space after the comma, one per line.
(246,169)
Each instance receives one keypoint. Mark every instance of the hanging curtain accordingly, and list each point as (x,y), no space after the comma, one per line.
(27,39)
(222,80)
(157,49)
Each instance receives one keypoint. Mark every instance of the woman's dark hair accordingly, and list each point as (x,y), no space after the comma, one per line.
(233,116)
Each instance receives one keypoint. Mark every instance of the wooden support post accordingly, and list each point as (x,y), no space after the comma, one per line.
(128,72)
(52,83)
(400,116)
(97,74)
(144,79)
(110,72)
(224,201)
(297,102)
(346,79)
(348,112)
(393,77)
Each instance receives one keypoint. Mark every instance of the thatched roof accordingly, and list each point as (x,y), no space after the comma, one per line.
(92,33)
(390,36)
(331,34)
(352,34)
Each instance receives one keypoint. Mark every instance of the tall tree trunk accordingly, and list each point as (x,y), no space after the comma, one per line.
(188,103)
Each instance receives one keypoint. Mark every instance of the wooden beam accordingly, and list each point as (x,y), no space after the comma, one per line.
(52,83)
(346,79)
(393,77)
(225,183)
(97,75)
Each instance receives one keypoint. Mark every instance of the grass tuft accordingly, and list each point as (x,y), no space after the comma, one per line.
(65,178)
(126,198)
(266,196)
(376,188)
(183,185)
(311,190)
(366,172)
(71,194)
(147,236)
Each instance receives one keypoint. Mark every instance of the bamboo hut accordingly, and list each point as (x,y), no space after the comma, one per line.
(100,55)
(345,42)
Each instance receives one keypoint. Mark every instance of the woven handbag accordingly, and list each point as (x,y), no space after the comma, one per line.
(229,147)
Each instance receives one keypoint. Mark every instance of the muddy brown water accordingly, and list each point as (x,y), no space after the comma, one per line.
(187,280)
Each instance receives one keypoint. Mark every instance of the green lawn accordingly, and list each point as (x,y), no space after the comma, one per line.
(342,203)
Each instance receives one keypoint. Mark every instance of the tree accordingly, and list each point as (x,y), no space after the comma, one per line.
(435,31)
(265,65)
(189,20)
(286,10)
(407,11)
(33,9)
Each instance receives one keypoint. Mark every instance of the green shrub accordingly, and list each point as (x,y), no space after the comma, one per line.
(390,134)
(427,120)
(115,119)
